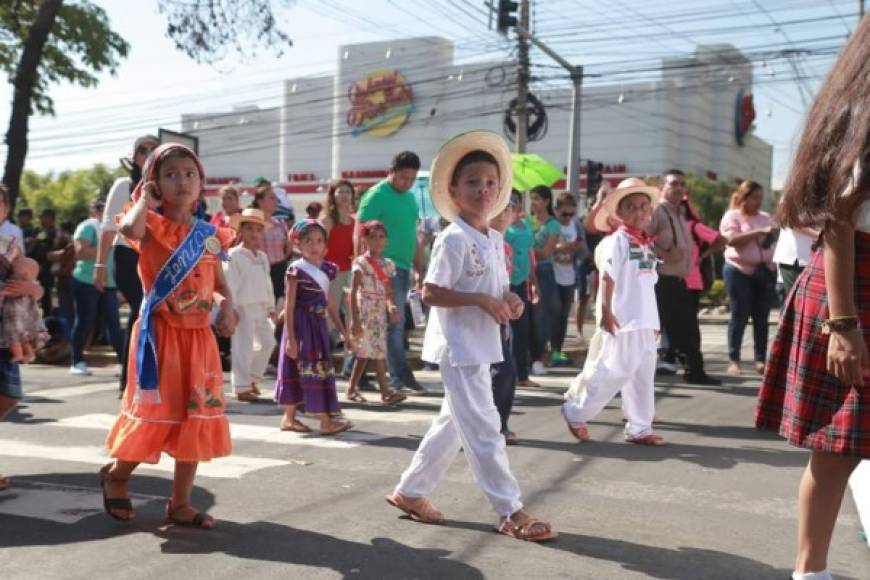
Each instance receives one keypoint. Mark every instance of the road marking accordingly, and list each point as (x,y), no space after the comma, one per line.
(232,467)
(63,504)
(239,432)
(74,391)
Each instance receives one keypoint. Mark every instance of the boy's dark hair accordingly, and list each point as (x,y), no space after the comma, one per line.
(476,156)
(67,226)
(405,160)
(48,212)
(566,199)
(25,211)
(673,171)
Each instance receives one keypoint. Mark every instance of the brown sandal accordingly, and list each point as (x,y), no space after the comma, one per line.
(112,505)
(526,531)
(248,396)
(5,483)
(337,427)
(296,427)
(391,398)
(424,512)
(651,440)
(356,397)
(199,520)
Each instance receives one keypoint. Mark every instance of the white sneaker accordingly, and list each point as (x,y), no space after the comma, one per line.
(666,366)
(80,369)
(538,369)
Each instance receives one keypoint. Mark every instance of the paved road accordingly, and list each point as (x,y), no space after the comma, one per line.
(716,503)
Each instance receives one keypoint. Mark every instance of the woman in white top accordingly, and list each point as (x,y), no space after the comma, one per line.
(793,251)
(113,247)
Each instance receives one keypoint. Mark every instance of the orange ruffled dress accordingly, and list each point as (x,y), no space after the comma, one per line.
(189,421)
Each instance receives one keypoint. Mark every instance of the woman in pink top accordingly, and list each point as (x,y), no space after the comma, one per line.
(749,273)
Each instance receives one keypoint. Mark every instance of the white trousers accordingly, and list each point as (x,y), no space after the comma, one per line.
(627,363)
(468,420)
(252,345)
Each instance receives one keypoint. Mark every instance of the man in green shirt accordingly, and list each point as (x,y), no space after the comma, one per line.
(390,203)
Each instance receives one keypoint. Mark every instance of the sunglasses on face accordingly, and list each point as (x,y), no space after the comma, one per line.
(566,214)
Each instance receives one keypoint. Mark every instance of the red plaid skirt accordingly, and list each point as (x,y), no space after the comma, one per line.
(798,397)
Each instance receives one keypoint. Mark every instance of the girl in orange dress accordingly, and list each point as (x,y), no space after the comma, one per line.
(173,402)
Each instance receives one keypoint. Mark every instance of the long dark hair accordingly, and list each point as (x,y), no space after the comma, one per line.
(331,208)
(545,192)
(835,139)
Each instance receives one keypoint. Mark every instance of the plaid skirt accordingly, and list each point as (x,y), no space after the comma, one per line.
(798,397)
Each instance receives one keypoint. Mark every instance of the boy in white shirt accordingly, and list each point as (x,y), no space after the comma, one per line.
(622,355)
(468,289)
(247,274)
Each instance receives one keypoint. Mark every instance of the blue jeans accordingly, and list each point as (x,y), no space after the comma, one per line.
(749,297)
(89,301)
(546,311)
(520,328)
(400,372)
(559,325)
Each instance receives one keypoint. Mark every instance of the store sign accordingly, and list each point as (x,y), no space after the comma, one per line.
(744,115)
(380,103)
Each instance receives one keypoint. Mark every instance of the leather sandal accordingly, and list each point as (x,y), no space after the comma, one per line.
(418,509)
(199,520)
(391,398)
(532,530)
(112,505)
(651,440)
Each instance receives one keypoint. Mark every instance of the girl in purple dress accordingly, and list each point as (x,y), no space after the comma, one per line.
(306,377)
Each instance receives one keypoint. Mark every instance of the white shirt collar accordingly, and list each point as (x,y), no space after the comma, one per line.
(476,234)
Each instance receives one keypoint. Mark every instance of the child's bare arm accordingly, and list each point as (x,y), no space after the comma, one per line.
(434,295)
(332,307)
(227,317)
(356,286)
(608,320)
(289,305)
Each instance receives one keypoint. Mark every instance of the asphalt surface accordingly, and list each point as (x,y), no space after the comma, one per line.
(717,502)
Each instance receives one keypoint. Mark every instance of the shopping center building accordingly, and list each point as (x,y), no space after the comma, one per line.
(389,96)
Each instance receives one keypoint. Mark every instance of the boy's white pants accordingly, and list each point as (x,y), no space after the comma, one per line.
(252,344)
(468,420)
(625,362)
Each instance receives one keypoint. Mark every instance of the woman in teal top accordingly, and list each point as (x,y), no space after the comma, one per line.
(90,303)
(519,237)
(545,230)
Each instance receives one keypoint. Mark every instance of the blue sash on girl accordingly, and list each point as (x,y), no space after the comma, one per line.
(181,263)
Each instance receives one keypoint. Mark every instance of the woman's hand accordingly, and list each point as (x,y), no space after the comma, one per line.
(16,288)
(848,360)
(100,277)
(292,348)
(394,314)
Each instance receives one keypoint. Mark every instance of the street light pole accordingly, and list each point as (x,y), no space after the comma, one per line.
(576,73)
(523,80)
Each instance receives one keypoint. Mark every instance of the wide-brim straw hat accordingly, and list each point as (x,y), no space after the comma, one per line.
(626,187)
(449,156)
(249,216)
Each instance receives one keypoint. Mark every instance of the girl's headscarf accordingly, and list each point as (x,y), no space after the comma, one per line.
(302,226)
(149,171)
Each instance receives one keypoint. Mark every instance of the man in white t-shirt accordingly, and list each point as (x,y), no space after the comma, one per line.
(622,357)
(793,251)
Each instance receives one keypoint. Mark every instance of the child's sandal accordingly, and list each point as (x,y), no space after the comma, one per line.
(532,530)
(391,398)
(113,505)
(199,520)
(356,397)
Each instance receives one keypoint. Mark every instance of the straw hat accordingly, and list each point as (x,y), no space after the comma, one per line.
(625,188)
(449,156)
(249,216)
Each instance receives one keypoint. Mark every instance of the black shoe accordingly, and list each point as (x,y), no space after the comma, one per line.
(702,379)
(430,367)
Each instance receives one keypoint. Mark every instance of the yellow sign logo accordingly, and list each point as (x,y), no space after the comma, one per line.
(380,103)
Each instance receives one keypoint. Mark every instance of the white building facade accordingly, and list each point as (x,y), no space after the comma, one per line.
(390,96)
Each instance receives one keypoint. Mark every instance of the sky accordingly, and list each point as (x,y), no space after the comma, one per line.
(616,40)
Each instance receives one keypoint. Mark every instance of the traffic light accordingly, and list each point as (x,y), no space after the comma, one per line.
(594,177)
(507,15)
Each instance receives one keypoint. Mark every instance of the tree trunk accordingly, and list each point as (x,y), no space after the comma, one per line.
(25,80)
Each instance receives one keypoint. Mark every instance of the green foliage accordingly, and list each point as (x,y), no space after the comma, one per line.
(710,198)
(81,44)
(717,295)
(69,192)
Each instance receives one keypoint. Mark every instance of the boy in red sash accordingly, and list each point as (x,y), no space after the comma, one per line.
(622,354)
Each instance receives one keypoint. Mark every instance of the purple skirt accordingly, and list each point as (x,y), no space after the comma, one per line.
(308,381)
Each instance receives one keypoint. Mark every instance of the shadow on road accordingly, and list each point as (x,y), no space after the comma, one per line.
(382,558)
(702,455)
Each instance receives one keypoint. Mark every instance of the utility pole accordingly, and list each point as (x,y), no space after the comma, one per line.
(523,79)
(860,10)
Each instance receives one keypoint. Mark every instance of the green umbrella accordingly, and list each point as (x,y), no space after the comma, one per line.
(531,170)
